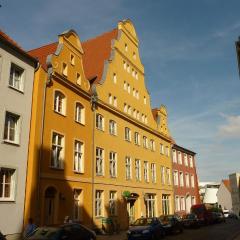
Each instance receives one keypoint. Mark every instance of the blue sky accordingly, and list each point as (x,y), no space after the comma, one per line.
(187,48)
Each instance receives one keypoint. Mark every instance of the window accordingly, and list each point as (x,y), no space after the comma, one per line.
(12,128)
(72,59)
(79,79)
(145,171)
(124,65)
(179,158)
(110,98)
(126,47)
(129,110)
(165,204)
(57,150)
(134,92)
(145,142)
(191,161)
(7,184)
(153,172)
(168,176)
(150,205)
(127,134)
(134,55)
(113,164)
(145,100)
(152,145)
(128,68)
(78,156)
(115,101)
(77,206)
(182,204)
(174,156)
(133,73)
(138,169)
(187,179)
(59,103)
(138,115)
(177,203)
(80,113)
(125,107)
(99,161)
(167,151)
(161,148)
(112,127)
(181,179)
(134,113)
(136,75)
(112,203)
(163,174)
(136,138)
(99,122)
(98,203)
(16,77)
(64,69)
(175,178)
(114,78)
(125,85)
(192,181)
(128,168)
(128,88)
(185,159)
(193,200)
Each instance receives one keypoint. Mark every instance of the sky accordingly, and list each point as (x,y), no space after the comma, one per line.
(188,51)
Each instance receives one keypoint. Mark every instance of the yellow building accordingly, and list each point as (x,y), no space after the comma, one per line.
(132,176)
(123,145)
(59,167)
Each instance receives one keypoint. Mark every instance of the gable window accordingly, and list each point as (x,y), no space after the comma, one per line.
(98,203)
(145,171)
(128,168)
(72,59)
(79,79)
(7,184)
(112,127)
(16,77)
(99,161)
(145,100)
(99,122)
(125,107)
(114,78)
(80,113)
(127,134)
(110,98)
(57,150)
(115,101)
(112,203)
(12,128)
(153,172)
(138,169)
(64,69)
(59,103)
(126,47)
(113,164)
(134,55)
(78,156)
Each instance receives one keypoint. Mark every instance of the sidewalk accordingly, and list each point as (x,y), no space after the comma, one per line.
(120,236)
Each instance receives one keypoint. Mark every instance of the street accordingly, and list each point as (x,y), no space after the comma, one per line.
(222,231)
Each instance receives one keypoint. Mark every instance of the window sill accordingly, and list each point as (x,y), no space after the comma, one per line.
(11,143)
(61,114)
(99,175)
(83,124)
(100,129)
(78,172)
(127,140)
(16,89)
(7,201)
(56,168)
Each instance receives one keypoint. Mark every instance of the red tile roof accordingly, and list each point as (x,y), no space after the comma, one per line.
(96,51)
(226,182)
(15,45)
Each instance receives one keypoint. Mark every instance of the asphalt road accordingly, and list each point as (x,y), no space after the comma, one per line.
(221,231)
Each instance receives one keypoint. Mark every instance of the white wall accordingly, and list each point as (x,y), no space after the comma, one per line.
(224,197)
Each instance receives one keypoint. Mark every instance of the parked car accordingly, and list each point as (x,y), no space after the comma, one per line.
(232,215)
(191,221)
(220,217)
(171,223)
(2,237)
(71,231)
(226,213)
(203,214)
(146,228)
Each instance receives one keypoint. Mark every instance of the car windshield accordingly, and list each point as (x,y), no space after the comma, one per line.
(142,222)
(45,233)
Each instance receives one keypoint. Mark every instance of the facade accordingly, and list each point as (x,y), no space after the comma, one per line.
(132,163)
(59,179)
(235,187)
(124,144)
(208,192)
(185,179)
(224,195)
(16,83)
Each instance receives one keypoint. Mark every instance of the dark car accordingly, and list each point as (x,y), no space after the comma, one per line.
(191,221)
(146,228)
(171,223)
(220,217)
(2,237)
(72,231)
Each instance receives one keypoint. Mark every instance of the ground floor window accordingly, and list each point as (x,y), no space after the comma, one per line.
(150,205)
(98,203)
(177,203)
(77,204)
(112,203)
(7,184)
(183,204)
(166,204)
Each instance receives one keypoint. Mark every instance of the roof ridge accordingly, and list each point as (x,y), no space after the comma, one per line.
(46,45)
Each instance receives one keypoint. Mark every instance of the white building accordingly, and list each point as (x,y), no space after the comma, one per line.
(16,83)
(224,195)
(235,187)
(208,192)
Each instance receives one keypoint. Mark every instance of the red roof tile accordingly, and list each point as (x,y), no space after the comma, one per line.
(226,182)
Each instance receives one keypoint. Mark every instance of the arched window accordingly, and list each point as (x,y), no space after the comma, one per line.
(79,113)
(59,102)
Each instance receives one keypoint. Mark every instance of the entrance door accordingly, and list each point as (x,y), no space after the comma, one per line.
(49,206)
(131,211)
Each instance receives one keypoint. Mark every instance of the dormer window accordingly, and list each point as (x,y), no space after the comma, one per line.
(114,78)
(126,47)
(64,69)
(134,55)
(72,59)
(79,79)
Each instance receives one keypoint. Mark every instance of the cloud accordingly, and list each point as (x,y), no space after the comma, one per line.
(231,129)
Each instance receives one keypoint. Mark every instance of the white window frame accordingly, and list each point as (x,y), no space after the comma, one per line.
(98,203)
(4,171)
(16,82)
(77,204)
(161,148)
(113,164)
(112,127)
(137,138)
(128,166)
(79,113)
(112,203)
(150,201)
(179,157)
(168,176)
(181,177)
(182,204)
(99,122)
(99,161)
(127,134)
(174,153)
(185,160)
(78,162)
(153,172)
(59,102)
(57,158)
(192,181)
(175,178)
(187,180)
(163,179)
(145,142)
(191,161)
(146,171)
(138,169)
